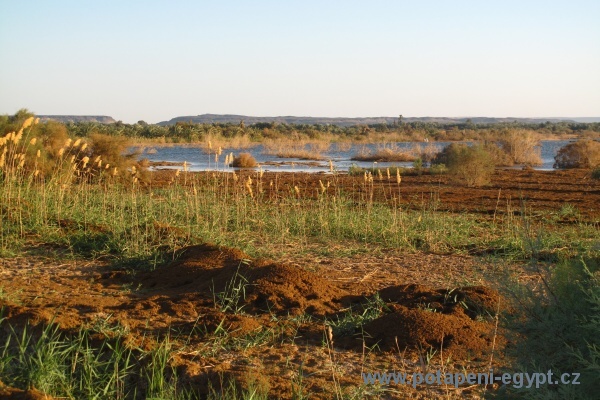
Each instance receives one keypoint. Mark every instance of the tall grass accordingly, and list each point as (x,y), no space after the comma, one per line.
(560,327)
(85,366)
(129,220)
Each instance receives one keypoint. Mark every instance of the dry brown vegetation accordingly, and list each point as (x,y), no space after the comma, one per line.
(522,146)
(581,154)
(296,148)
(244,160)
(386,152)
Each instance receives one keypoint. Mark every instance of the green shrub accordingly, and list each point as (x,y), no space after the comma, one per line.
(500,157)
(581,154)
(561,329)
(438,169)
(472,165)
(596,173)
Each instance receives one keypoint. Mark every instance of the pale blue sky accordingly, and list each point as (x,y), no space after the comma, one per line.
(154,60)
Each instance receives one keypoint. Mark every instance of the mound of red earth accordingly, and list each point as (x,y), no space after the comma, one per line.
(10,393)
(456,322)
(211,272)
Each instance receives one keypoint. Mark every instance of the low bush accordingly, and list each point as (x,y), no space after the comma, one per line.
(581,154)
(472,165)
(521,146)
(500,157)
(244,160)
(560,325)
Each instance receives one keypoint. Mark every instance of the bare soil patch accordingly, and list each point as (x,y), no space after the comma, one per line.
(291,302)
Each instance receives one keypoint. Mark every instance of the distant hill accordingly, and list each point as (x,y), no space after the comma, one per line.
(585,120)
(103,119)
(248,120)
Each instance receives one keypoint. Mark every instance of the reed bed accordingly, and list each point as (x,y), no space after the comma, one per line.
(386,152)
(301,149)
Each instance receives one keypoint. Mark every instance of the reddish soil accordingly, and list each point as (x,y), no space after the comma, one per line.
(433,302)
(454,321)
(9,393)
(509,190)
(179,297)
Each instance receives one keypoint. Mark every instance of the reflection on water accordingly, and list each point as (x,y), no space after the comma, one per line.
(199,160)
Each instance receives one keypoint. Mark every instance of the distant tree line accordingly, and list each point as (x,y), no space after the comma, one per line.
(189,132)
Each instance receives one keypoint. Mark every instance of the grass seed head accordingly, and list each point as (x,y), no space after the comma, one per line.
(323,188)
(28,122)
(18,136)
(33,141)
(249,188)
(77,142)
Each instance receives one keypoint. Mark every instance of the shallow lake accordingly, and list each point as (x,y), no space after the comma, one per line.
(199,160)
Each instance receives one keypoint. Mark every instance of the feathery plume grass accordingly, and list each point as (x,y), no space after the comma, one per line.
(28,122)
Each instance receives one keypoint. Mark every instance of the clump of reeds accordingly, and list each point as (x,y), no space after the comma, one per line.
(301,149)
(244,160)
(385,153)
(581,154)
(522,146)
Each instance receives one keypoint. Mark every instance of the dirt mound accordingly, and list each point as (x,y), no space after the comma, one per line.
(214,272)
(10,393)
(475,301)
(418,329)
(281,288)
(235,325)
(17,315)
(456,321)
(196,269)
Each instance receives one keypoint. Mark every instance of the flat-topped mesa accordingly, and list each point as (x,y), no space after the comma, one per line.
(342,121)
